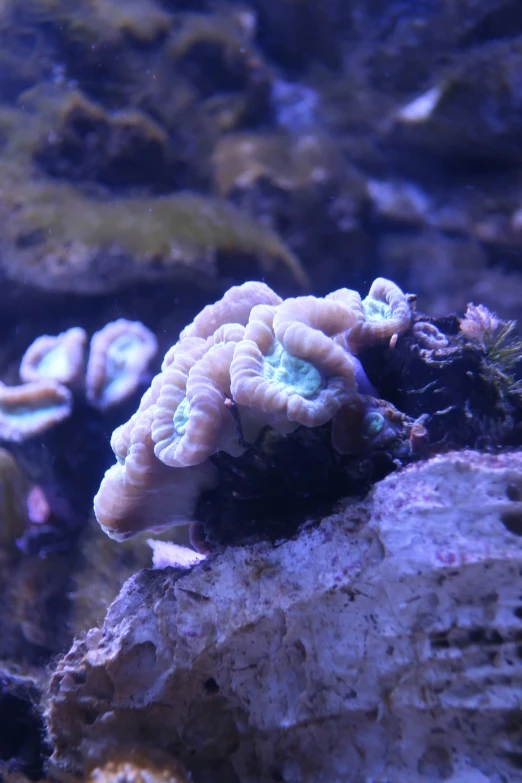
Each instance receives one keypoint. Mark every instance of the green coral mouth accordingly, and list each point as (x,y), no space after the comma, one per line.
(291,374)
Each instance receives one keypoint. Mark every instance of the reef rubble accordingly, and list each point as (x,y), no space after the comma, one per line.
(381,644)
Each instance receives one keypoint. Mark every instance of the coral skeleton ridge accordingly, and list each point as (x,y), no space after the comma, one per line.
(250,361)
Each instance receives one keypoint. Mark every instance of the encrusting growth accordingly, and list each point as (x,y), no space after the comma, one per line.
(248,363)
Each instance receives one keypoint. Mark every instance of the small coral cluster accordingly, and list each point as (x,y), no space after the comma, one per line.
(133,766)
(248,364)
(54,366)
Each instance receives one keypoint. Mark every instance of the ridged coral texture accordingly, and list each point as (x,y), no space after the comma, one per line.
(247,362)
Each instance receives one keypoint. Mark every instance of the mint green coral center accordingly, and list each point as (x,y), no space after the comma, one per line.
(181,417)
(373,423)
(293,375)
(54,364)
(119,353)
(375,310)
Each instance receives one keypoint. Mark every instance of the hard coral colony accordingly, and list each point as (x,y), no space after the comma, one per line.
(54,365)
(249,363)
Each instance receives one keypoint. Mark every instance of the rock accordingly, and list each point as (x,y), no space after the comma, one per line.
(381,644)
(22,744)
(61,241)
(33,572)
(118,148)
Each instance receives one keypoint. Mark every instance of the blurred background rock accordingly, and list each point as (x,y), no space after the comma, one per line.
(153,152)
(362,139)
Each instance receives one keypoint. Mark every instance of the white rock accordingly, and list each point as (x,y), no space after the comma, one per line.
(383,645)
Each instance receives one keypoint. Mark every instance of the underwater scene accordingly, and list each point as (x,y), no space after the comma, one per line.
(260,391)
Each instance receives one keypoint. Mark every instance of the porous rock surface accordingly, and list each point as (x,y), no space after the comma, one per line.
(382,644)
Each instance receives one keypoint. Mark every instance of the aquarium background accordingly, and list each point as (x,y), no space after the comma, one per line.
(155,153)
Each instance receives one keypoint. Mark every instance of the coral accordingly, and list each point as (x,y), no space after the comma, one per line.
(140,492)
(32,408)
(134,765)
(288,365)
(166,554)
(233,307)
(466,395)
(392,625)
(366,424)
(429,336)
(59,358)
(118,358)
(387,313)
(263,398)
(248,362)
(190,420)
(119,355)
(498,339)
(479,325)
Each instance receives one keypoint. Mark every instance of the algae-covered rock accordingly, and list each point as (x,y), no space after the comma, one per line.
(58,239)
(349,130)
(87,143)
(61,237)
(291,162)
(472,110)
(305,189)
(116,113)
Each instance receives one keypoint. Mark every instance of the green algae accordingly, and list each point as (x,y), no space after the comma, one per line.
(94,22)
(60,149)
(177,229)
(61,236)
